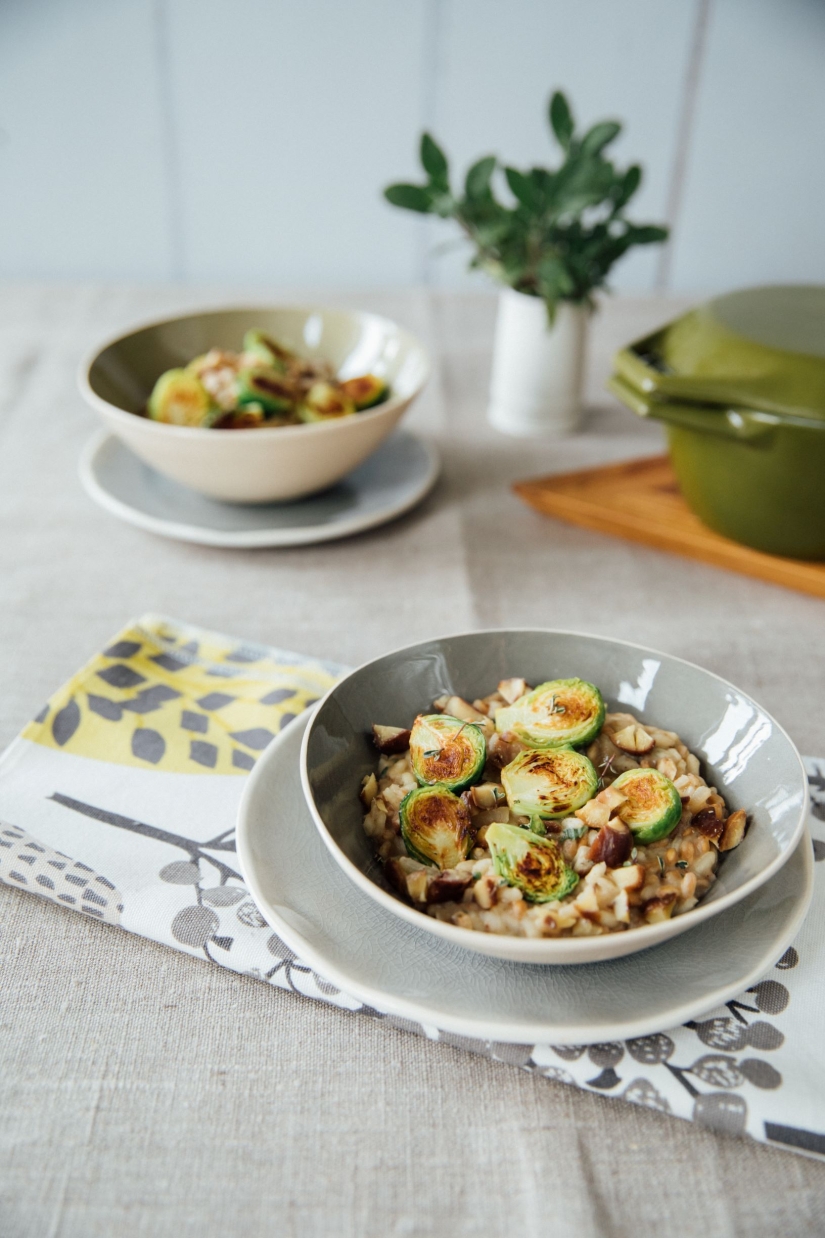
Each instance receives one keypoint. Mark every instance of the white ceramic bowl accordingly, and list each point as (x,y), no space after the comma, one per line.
(745,753)
(268,464)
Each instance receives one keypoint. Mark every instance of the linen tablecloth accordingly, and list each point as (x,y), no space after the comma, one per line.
(147,1095)
(118,801)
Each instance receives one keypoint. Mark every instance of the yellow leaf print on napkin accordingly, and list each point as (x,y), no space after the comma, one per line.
(172,697)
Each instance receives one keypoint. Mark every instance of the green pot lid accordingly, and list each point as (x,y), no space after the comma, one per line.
(763,348)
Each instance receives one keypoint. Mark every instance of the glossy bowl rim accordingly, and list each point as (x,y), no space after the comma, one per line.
(541,950)
(194,433)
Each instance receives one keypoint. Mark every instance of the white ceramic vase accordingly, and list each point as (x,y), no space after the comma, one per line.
(538,370)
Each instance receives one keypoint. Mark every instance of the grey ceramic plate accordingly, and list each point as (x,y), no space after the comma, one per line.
(745,752)
(396,477)
(383,961)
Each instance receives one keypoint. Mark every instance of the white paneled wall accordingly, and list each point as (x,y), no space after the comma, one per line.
(288,119)
(248,140)
(499,62)
(83,190)
(754,203)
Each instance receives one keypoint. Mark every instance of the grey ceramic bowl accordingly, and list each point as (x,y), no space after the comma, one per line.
(746,754)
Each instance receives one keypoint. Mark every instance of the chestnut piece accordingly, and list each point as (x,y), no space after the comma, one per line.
(448,887)
(708,824)
(613,844)
(390,739)
(734,831)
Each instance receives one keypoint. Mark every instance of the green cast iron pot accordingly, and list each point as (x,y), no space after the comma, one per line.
(754,476)
(761,347)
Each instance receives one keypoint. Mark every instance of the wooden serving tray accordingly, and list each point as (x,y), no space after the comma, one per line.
(640,500)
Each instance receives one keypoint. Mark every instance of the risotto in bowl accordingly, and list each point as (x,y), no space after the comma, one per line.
(549,796)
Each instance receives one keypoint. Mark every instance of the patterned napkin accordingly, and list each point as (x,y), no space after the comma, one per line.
(119,801)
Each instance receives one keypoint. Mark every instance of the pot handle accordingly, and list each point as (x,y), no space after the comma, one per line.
(633,368)
(737,423)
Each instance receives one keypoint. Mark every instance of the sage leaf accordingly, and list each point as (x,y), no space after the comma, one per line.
(522,188)
(595,140)
(650,234)
(561,119)
(434,161)
(626,186)
(410,197)
(477,182)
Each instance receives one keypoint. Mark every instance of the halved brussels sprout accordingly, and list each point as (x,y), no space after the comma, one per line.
(560,712)
(366,391)
(445,750)
(535,865)
(267,350)
(264,387)
(652,807)
(180,399)
(549,784)
(325,402)
(197,364)
(436,826)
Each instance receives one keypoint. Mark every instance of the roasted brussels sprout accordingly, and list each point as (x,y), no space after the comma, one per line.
(366,391)
(447,751)
(535,865)
(652,807)
(265,349)
(563,711)
(181,399)
(265,382)
(263,387)
(436,826)
(324,402)
(549,784)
